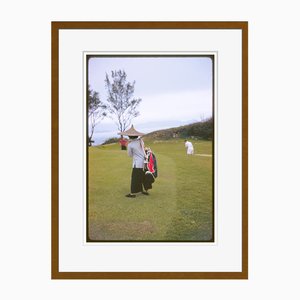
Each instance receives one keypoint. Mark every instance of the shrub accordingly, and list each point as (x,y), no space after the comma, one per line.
(111,141)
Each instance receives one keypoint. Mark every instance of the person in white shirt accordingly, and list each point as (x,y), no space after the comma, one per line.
(136,150)
(189,147)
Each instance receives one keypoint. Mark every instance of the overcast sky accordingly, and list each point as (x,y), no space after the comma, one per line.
(171,88)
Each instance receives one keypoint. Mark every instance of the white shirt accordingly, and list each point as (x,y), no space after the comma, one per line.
(136,151)
(189,145)
(190,148)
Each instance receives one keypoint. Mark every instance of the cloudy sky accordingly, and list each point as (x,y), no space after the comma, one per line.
(173,89)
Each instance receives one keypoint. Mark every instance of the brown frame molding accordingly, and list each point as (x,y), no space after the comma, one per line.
(56,26)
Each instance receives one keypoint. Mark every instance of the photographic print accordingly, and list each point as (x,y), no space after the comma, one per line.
(150,148)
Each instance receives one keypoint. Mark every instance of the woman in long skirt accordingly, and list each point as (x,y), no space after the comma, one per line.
(137,152)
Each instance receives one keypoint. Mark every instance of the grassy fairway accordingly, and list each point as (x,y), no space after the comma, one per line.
(180,205)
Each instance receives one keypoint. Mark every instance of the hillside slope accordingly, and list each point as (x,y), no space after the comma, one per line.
(201,130)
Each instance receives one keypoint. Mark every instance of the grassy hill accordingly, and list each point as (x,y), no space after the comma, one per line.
(200,130)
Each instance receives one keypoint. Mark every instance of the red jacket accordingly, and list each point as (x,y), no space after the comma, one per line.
(123,142)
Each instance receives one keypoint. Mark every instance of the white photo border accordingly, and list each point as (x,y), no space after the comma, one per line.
(84,139)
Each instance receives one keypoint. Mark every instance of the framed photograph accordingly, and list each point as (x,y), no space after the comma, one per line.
(149,150)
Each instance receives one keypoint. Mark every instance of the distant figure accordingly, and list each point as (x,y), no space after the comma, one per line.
(189,147)
(123,143)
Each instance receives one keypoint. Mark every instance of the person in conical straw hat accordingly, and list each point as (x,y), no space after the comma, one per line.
(136,150)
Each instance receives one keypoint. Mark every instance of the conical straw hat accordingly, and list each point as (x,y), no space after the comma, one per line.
(131,132)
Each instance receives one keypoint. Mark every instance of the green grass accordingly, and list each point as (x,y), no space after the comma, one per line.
(180,205)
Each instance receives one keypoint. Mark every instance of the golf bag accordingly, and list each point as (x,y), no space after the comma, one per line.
(150,169)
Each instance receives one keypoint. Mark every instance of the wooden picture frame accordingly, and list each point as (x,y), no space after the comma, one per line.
(58,27)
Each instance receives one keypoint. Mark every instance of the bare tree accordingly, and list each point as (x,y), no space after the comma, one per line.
(122,106)
(96,111)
